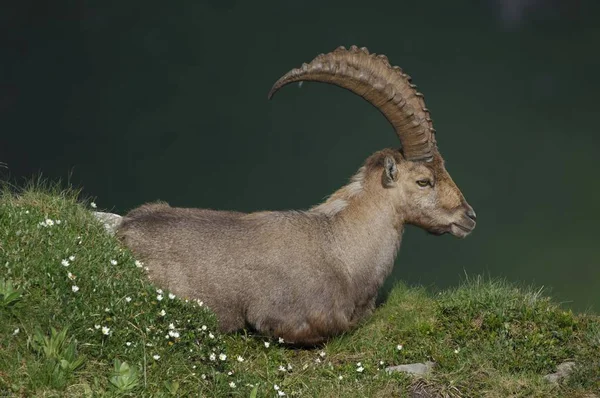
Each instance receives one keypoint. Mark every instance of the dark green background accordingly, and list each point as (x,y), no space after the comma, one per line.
(146,100)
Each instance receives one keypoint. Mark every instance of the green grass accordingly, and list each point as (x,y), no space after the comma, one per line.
(78,318)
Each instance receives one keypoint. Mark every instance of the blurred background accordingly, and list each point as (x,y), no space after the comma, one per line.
(144,100)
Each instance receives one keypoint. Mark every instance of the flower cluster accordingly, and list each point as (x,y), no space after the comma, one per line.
(48,222)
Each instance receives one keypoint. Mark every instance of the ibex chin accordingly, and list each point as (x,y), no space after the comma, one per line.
(308,275)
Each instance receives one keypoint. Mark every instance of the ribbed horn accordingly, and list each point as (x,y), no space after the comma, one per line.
(386,87)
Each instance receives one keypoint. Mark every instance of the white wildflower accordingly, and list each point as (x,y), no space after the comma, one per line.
(240,358)
(57,222)
(139,264)
(322,354)
(128,299)
(70,276)
(171,296)
(174,334)
(203,327)
(280,393)
(171,326)
(360,369)
(26,211)
(93,204)
(203,376)
(162,313)
(200,303)
(16,331)
(267,344)
(232,384)
(222,357)
(282,368)
(105,330)
(399,347)
(75,289)
(159,297)
(71,258)
(230,373)
(128,344)
(49,222)
(159,291)
(281,341)
(289,366)
(97,326)
(156,357)
(113,262)
(276,387)
(340,377)
(381,363)
(457,351)
(212,356)
(64,262)
(210,335)
(107,309)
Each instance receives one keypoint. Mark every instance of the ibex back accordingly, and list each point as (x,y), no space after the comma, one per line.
(307,275)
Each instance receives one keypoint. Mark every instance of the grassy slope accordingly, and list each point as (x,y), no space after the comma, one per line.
(488,338)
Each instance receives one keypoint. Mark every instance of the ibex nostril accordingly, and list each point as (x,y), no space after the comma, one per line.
(471,214)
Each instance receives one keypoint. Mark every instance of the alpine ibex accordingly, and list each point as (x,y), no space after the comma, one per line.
(307,275)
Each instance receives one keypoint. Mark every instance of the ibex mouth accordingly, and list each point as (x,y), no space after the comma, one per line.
(461,231)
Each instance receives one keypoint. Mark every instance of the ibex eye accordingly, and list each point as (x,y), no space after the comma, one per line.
(423,183)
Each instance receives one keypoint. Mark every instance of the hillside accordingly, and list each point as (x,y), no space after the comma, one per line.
(78,318)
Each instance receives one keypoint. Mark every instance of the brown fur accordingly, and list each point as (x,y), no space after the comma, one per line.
(300,275)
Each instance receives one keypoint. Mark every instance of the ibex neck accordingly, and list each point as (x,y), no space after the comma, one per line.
(367,231)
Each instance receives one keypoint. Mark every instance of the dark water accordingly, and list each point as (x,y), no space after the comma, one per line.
(149,100)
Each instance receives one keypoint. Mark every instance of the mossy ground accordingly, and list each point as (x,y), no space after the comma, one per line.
(116,335)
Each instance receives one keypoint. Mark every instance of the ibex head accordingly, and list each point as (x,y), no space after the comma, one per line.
(414,178)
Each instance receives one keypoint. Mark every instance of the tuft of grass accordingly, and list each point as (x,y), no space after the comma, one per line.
(79,318)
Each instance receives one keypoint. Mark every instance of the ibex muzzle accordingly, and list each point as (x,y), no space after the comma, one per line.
(308,275)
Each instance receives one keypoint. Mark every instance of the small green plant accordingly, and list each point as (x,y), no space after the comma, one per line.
(60,353)
(125,377)
(171,386)
(254,392)
(9,296)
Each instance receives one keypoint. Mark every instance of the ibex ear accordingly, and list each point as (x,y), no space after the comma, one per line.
(390,171)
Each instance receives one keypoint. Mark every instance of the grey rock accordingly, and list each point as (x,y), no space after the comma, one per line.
(562,371)
(413,368)
(111,221)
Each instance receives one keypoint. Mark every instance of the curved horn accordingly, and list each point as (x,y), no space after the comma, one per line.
(387,88)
